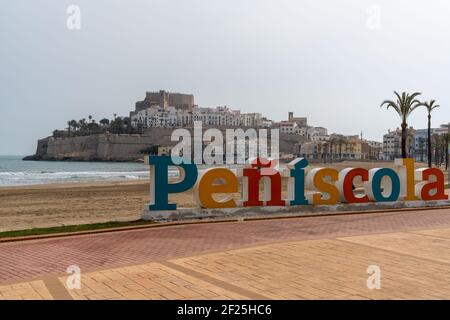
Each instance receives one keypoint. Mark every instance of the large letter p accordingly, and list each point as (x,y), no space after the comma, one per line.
(159,181)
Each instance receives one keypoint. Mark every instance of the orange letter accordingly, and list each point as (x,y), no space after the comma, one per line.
(317,177)
(208,186)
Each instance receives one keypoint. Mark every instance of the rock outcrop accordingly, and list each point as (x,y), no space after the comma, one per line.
(100,147)
(118,147)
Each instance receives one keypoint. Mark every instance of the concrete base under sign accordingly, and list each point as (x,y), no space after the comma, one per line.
(247,212)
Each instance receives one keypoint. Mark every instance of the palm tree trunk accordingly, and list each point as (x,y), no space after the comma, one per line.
(404,139)
(331,153)
(446,154)
(429,141)
(436,152)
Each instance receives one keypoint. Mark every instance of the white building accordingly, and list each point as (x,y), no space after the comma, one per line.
(218,116)
(288,127)
(156,116)
(251,120)
(318,134)
(392,144)
(266,123)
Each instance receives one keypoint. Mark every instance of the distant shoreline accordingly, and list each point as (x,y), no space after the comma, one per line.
(75,159)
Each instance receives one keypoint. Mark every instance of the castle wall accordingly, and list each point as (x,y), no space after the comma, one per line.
(165,99)
(116,147)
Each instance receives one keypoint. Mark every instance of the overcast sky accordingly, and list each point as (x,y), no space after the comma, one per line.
(331,61)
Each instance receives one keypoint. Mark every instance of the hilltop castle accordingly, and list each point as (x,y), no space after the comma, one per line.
(165,99)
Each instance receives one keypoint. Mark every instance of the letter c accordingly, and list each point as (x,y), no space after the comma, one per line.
(346,178)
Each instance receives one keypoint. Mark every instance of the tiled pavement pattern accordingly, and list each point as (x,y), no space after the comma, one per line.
(148,281)
(306,258)
(33,290)
(330,269)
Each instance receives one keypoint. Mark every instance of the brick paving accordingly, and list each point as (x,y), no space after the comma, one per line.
(36,258)
(300,258)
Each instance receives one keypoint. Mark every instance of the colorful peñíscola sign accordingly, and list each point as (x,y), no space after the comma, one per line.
(320,186)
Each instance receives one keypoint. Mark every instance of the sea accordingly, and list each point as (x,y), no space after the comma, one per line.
(16,172)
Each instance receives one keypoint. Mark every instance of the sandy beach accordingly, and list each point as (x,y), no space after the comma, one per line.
(71,203)
(82,203)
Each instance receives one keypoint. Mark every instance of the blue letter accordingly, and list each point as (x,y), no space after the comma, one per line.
(298,173)
(376,185)
(159,181)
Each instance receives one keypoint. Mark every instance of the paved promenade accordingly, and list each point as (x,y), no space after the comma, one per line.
(296,258)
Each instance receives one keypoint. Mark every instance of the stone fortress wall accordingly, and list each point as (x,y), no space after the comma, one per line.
(119,147)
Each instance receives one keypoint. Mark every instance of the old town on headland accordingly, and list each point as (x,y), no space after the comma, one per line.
(148,128)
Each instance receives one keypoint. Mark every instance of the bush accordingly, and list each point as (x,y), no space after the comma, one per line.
(152,150)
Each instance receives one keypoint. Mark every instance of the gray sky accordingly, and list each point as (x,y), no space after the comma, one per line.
(328,60)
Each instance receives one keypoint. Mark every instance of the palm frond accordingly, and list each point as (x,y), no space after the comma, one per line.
(430,105)
(405,104)
(415,94)
(393,105)
(399,98)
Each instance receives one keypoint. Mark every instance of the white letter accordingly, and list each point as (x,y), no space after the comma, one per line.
(74,18)
(198,142)
(74,280)
(241,136)
(374,19)
(215,146)
(275,146)
(374,280)
(181,152)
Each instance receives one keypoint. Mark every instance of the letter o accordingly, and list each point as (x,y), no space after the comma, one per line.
(377,177)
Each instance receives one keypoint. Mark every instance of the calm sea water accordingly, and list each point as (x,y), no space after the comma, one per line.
(15,172)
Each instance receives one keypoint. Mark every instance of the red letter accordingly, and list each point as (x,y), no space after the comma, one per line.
(254,176)
(348,185)
(436,184)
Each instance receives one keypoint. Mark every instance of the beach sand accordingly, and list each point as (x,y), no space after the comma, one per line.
(83,203)
(71,203)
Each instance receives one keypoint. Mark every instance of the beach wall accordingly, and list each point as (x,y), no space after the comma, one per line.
(118,147)
(100,147)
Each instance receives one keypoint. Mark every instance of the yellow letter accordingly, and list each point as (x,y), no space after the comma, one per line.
(405,170)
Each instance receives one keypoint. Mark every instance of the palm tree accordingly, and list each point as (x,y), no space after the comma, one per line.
(333,143)
(405,104)
(325,151)
(341,141)
(421,144)
(437,149)
(430,105)
(446,140)
(72,125)
(82,125)
(104,122)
